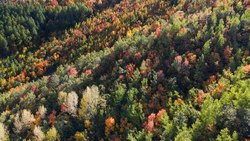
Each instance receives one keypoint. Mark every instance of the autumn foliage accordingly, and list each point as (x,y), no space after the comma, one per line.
(125,70)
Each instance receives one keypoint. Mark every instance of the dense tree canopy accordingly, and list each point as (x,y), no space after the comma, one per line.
(127,70)
(26,24)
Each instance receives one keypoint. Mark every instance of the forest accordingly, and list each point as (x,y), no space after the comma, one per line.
(115,70)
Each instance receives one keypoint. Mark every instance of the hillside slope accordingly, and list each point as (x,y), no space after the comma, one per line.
(133,70)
